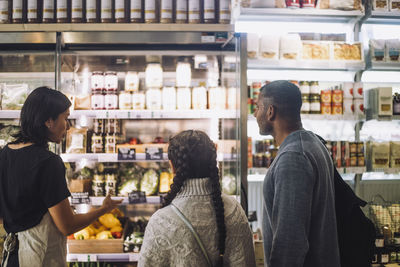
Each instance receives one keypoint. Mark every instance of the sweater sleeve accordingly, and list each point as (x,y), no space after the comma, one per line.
(154,249)
(290,222)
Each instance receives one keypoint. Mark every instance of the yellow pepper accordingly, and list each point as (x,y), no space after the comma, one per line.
(104,235)
(82,234)
(116,229)
(109,221)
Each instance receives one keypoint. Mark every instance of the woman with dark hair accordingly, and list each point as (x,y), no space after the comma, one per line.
(34,201)
(198,226)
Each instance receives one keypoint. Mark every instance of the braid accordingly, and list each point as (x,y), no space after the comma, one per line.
(182,170)
(218,206)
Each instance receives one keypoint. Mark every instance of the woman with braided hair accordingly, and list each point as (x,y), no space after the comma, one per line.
(198,225)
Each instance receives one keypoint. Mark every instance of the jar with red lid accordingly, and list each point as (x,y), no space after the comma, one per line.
(307,3)
(97,81)
(293,3)
(111,100)
(97,100)
(111,81)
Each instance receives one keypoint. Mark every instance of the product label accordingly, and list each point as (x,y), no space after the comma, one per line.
(136,197)
(154,153)
(61,9)
(32,9)
(91,9)
(119,9)
(3,10)
(77,9)
(80,198)
(77,141)
(17,9)
(126,153)
(48,9)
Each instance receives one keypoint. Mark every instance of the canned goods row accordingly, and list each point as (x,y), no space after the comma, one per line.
(347,154)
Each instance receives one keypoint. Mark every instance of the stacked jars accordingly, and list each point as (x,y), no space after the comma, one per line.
(104,90)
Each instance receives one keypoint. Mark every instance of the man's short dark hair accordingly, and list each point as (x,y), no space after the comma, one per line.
(41,104)
(285,96)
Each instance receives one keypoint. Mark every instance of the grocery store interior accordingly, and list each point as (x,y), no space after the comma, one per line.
(137,72)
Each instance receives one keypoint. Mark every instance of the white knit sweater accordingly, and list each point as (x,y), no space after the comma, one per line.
(168,241)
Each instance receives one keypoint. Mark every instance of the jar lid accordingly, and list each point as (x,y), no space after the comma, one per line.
(110,73)
(97,73)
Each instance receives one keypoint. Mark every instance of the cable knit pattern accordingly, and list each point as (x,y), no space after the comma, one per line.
(168,241)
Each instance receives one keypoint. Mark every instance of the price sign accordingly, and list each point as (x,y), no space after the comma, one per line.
(207,37)
(86,257)
(80,198)
(154,153)
(136,197)
(126,153)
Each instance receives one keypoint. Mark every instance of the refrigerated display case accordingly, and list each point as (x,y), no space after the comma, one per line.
(208,96)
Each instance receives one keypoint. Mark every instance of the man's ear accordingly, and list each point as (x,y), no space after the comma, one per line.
(271,112)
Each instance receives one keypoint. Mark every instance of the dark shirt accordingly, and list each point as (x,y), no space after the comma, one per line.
(299,220)
(32,179)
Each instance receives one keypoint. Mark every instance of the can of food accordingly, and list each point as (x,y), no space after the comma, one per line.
(326,108)
(315,104)
(353,147)
(360,148)
(353,161)
(337,96)
(361,160)
(326,96)
(337,109)
(305,106)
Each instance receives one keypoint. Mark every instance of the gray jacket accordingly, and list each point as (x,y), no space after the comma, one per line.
(299,221)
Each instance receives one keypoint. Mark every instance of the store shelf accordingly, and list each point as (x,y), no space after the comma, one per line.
(10,114)
(113,27)
(379,17)
(140,157)
(381,176)
(297,15)
(103,257)
(97,201)
(155,114)
(322,117)
(260,64)
(352,170)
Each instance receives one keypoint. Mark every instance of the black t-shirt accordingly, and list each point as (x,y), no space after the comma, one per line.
(32,179)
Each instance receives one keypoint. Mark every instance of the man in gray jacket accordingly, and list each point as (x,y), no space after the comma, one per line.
(299,221)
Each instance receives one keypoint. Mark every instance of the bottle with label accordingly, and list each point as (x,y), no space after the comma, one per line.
(98,185)
(106,11)
(150,14)
(169,98)
(153,99)
(136,14)
(194,11)
(62,11)
(224,12)
(97,143)
(166,11)
(4,16)
(131,81)
(181,11)
(91,11)
(48,11)
(199,98)
(209,11)
(138,100)
(119,11)
(110,143)
(17,7)
(76,11)
(32,11)
(183,98)
(111,184)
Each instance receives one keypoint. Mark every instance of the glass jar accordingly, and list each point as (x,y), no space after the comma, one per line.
(224,12)
(315,104)
(32,11)
(150,15)
(304,88)
(111,81)
(91,11)
(154,75)
(97,81)
(199,98)
(97,101)
(119,11)
(166,11)
(111,100)
(17,8)
(111,141)
(181,15)
(111,184)
(183,74)
(209,11)
(314,88)
(136,11)
(98,185)
(106,11)
(138,101)
(131,81)
(97,143)
(62,11)
(48,11)
(4,11)
(76,11)
(183,98)
(125,100)
(217,98)
(153,99)
(112,126)
(305,107)
(98,126)
(194,11)
(169,98)
(232,99)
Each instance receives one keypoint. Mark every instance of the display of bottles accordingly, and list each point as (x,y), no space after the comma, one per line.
(194,11)
(62,11)
(76,11)
(224,11)
(91,11)
(119,12)
(17,8)
(166,11)
(209,11)
(181,15)
(150,11)
(32,11)
(48,11)
(106,11)
(136,11)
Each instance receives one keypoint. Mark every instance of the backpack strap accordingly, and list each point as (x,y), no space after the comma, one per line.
(195,235)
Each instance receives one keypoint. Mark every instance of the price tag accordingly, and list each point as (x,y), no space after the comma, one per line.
(136,197)
(126,153)
(221,37)
(154,153)
(86,257)
(207,37)
(133,257)
(80,198)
